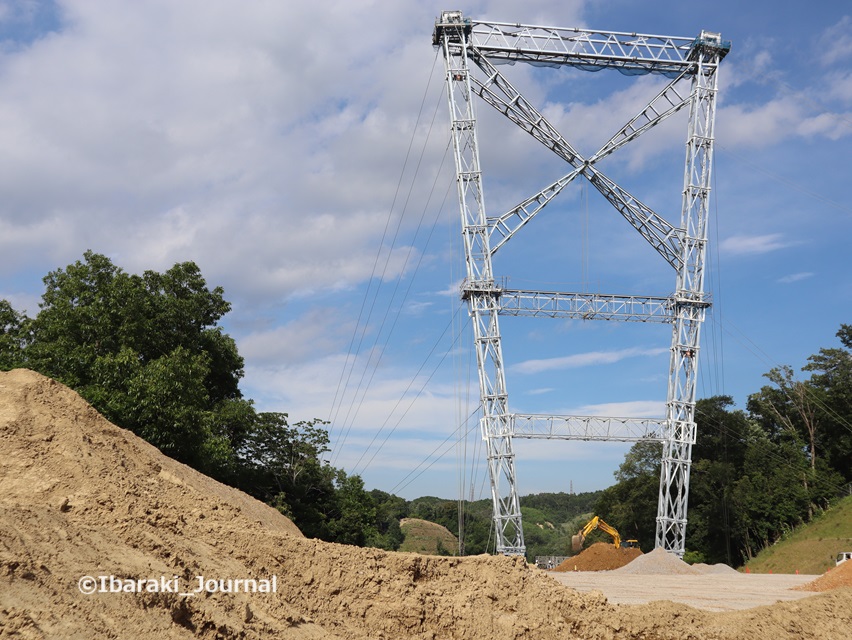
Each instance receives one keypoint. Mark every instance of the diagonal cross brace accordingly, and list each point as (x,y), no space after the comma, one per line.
(666,103)
(511,222)
(661,234)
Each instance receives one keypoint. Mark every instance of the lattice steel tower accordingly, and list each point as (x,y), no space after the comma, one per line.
(470,49)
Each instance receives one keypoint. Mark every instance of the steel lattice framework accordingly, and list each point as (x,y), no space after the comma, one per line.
(471,49)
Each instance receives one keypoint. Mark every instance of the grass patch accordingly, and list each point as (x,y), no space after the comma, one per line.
(810,548)
(429,538)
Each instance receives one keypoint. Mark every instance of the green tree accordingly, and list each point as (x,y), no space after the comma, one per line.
(11,336)
(790,410)
(284,465)
(353,517)
(390,509)
(832,376)
(718,458)
(631,504)
(145,351)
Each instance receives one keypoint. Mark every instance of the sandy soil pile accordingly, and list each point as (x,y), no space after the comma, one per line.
(719,568)
(834,578)
(658,562)
(80,497)
(600,556)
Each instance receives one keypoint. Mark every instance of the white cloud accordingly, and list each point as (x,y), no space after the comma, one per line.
(759,124)
(630,409)
(592,358)
(796,277)
(836,42)
(755,68)
(322,388)
(542,391)
(754,245)
(833,126)
(315,334)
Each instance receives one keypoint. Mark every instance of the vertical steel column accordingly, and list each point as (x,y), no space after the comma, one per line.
(690,303)
(479,289)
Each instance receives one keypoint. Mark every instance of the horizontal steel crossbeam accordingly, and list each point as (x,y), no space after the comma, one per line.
(630,53)
(586,306)
(600,428)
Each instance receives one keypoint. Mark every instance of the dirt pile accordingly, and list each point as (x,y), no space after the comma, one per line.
(834,578)
(658,562)
(718,569)
(600,556)
(80,497)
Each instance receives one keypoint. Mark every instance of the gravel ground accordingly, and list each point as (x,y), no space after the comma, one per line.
(708,592)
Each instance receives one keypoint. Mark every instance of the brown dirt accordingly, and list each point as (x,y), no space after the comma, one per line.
(834,578)
(81,497)
(601,556)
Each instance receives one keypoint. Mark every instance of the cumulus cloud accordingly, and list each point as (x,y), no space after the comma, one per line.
(172,130)
(316,333)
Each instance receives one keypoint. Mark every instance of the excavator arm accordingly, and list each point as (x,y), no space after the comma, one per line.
(616,538)
(591,525)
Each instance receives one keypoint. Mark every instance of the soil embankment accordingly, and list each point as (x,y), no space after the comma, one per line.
(80,497)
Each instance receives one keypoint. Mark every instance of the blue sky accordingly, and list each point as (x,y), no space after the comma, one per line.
(296,152)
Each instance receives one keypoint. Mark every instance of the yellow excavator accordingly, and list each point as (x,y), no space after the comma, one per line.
(597,523)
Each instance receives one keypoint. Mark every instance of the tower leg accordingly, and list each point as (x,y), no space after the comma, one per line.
(481,292)
(690,308)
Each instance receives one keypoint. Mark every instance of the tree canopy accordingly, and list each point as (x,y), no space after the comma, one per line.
(145,351)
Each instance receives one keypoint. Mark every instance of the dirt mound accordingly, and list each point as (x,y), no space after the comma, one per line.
(834,578)
(710,569)
(658,562)
(80,497)
(600,556)
(61,452)
(430,538)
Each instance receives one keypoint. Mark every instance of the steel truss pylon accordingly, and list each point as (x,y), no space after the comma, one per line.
(691,64)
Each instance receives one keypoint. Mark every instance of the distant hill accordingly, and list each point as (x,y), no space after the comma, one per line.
(811,548)
(430,538)
(550,519)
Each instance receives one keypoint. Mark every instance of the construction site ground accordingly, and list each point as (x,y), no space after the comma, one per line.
(712,592)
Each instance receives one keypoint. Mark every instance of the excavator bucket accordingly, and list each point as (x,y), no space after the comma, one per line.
(577,541)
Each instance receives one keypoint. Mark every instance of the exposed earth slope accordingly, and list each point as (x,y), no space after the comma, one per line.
(80,497)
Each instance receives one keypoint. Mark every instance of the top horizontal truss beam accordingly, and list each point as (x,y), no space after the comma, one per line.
(630,53)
